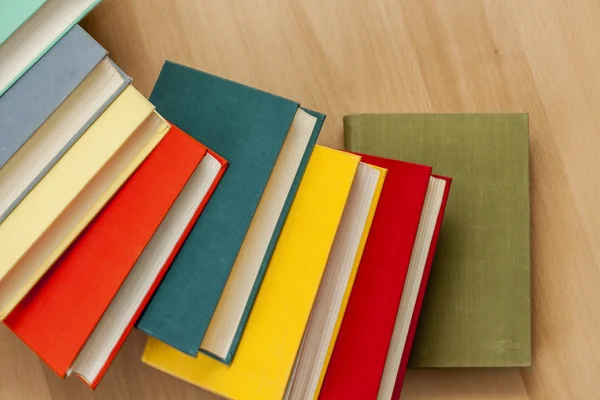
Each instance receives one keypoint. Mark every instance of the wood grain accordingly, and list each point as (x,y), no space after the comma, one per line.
(347,56)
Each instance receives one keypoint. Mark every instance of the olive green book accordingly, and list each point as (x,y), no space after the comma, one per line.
(477,309)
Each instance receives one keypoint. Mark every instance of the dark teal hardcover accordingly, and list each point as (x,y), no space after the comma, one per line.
(271,248)
(247,127)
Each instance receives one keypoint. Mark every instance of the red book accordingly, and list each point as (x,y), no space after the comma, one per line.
(60,313)
(422,289)
(359,356)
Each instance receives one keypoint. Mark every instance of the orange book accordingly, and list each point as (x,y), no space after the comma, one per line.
(126,308)
(61,312)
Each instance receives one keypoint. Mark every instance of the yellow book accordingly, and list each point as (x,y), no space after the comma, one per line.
(61,205)
(268,348)
(330,305)
(359,253)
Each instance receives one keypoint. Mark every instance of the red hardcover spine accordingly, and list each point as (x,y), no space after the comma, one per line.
(362,345)
(422,290)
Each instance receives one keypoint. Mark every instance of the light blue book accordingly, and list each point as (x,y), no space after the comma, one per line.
(13,14)
(34,37)
(29,103)
(49,109)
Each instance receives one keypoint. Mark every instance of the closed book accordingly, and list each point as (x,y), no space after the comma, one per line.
(13,14)
(414,289)
(235,304)
(264,360)
(31,101)
(37,35)
(477,309)
(218,270)
(71,298)
(359,354)
(336,285)
(59,208)
(125,308)
(60,131)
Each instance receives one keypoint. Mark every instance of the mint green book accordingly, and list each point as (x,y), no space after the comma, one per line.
(36,35)
(477,308)
(13,14)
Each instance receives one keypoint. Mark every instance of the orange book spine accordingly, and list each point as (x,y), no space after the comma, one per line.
(165,267)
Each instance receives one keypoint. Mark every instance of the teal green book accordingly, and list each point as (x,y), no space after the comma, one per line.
(38,34)
(229,354)
(208,292)
(13,14)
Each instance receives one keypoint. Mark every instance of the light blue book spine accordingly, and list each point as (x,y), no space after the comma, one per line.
(30,101)
(54,42)
(80,132)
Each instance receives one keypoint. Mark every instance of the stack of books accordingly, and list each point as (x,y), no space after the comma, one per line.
(98,192)
(260,264)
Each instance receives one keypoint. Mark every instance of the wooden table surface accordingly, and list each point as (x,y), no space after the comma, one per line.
(348,56)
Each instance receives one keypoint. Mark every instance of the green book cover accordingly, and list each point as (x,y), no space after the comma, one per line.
(247,127)
(477,309)
(14,13)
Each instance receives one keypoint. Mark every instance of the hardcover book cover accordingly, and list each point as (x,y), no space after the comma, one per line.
(247,127)
(482,260)
(267,350)
(359,355)
(34,97)
(71,298)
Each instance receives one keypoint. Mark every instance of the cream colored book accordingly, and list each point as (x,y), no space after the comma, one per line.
(53,214)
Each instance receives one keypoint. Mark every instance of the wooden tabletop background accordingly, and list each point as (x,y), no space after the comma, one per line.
(349,56)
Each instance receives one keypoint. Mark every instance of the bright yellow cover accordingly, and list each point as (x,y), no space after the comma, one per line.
(359,253)
(267,350)
(27,249)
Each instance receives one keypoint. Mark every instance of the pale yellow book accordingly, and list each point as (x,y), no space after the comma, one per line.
(63,203)
(270,342)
